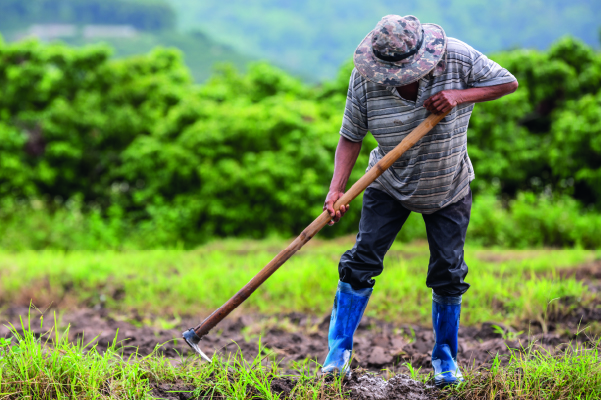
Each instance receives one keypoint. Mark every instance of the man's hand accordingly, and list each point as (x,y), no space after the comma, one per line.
(443,101)
(346,155)
(333,196)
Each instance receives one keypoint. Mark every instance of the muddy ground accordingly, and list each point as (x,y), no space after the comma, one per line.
(379,345)
(295,337)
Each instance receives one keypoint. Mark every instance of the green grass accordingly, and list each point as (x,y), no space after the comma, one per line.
(507,286)
(538,373)
(30,369)
(51,367)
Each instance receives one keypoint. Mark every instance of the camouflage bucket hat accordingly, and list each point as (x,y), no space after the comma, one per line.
(400,51)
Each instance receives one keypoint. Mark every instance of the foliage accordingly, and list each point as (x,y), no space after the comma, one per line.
(77,112)
(575,152)
(314,37)
(533,221)
(201,161)
(528,221)
(543,137)
(133,148)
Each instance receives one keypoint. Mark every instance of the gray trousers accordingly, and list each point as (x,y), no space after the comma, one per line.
(382,217)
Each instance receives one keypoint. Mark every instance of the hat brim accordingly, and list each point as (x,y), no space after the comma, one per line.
(408,71)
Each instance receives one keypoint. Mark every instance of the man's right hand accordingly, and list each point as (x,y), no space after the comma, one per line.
(346,155)
(333,196)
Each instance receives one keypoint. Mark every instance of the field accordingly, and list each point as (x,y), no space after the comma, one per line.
(109,310)
(134,202)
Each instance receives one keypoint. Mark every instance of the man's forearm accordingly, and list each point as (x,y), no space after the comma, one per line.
(346,156)
(487,93)
(447,99)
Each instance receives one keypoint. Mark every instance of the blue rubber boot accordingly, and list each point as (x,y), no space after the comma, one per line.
(445,318)
(349,305)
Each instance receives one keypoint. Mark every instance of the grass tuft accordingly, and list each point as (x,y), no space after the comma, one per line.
(48,366)
(32,368)
(537,372)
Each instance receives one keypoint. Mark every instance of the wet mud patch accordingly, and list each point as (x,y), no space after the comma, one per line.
(370,387)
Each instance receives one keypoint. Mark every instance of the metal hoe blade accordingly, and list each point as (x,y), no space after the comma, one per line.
(193,339)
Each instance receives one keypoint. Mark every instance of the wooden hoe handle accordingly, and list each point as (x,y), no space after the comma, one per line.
(419,132)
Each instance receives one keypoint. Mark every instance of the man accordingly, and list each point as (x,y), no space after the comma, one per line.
(405,70)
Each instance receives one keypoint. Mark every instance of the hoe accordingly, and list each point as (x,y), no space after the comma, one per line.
(194,335)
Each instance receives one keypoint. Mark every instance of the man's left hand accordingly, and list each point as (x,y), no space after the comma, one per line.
(443,101)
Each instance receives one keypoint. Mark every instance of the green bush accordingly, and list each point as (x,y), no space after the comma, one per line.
(575,151)
(538,138)
(101,153)
(528,221)
(534,221)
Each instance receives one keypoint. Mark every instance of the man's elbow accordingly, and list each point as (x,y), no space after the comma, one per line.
(512,86)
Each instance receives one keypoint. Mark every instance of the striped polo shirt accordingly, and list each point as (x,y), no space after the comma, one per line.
(437,170)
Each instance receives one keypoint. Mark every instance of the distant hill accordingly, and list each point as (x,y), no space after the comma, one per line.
(129,26)
(313,37)
(310,38)
(147,15)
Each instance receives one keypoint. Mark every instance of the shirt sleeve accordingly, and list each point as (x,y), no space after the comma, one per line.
(354,123)
(483,71)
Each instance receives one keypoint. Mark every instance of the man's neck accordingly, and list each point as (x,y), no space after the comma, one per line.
(408,92)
